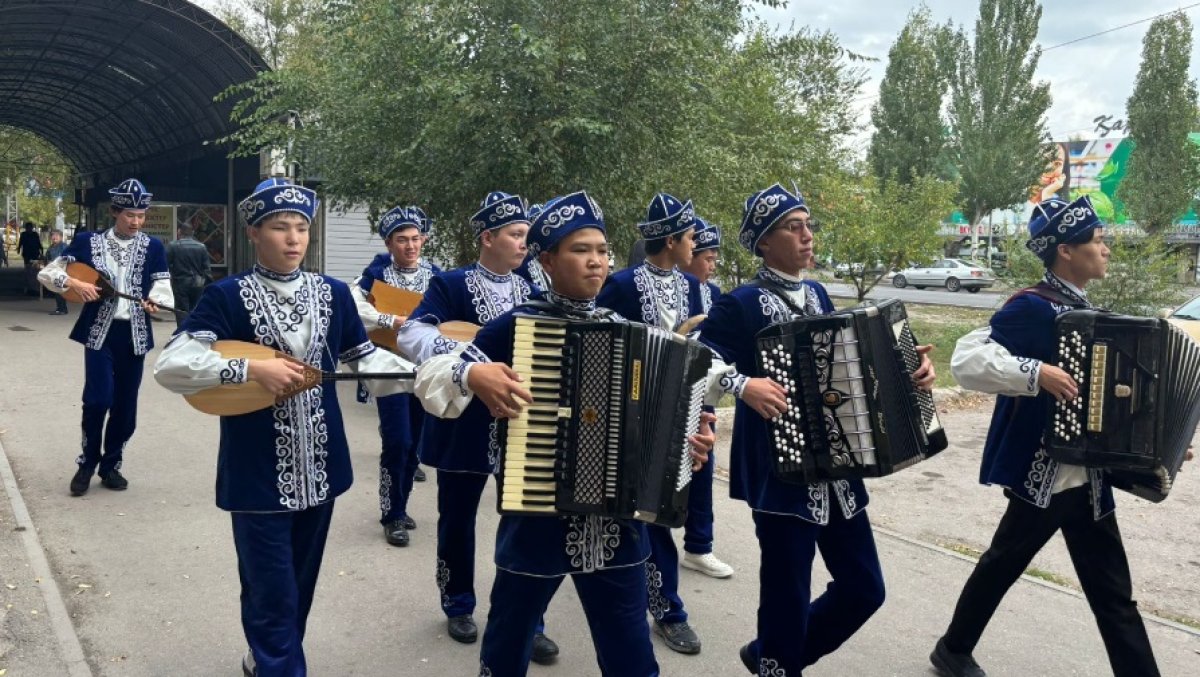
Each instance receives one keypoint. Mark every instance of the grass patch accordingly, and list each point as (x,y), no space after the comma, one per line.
(962,549)
(1050,577)
(1182,620)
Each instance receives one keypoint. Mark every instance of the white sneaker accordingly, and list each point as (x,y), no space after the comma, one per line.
(707,564)
(249,669)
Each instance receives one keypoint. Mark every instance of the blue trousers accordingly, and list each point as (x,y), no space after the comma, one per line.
(795,631)
(662,577)
(614,602)
(458,503)
(279,557)
(400,419)
(112,376)
(698,528)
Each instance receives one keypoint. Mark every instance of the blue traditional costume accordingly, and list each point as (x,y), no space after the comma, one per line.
(791,521)
(531,269)
(463,451)
(278,469)
(659,298)
(400,416)
(533,553)
(707,238)
(115,332)
(1044,495)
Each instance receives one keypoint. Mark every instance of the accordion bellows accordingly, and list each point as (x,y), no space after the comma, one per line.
(853,410)
(607,434)
(1138,404)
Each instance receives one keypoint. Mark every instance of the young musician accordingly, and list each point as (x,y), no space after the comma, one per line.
(116,333)
(791,521)
(533,553)
(1012,357)
(658,294)
(464,450)
(698,530)
(278,469)
(400,416)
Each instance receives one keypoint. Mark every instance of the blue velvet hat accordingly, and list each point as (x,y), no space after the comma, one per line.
(666,216)
(397,218)
(498,210)
(707,236)
(425,223)
(1056,222)
(763,210)
(560,217)
(274,196)
(130,194)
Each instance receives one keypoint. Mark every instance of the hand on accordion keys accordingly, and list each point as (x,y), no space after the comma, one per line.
(1057,382)
(703,441)
(924,377)
(765,396)
(498,387)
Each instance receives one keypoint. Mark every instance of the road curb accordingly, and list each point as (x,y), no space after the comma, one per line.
(60,620)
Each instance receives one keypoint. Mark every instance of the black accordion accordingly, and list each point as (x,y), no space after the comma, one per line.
(852,408)
(614,404)
(1138,403)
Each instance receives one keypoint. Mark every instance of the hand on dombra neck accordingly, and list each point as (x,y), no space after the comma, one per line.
(765,396)
(276,374)
(1057,382)
(498,387)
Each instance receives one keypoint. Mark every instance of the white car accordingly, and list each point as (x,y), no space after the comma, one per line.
(953,274)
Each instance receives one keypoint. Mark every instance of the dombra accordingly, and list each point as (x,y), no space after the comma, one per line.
(85,273)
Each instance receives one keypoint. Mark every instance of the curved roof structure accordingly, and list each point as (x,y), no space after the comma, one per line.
(123,84)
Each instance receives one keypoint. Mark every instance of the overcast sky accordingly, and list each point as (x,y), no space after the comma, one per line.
(1088,78)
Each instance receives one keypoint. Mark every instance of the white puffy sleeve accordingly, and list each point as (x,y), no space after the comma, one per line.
(370,316)
(161,292)
(442,381)
(380,361)
(54,275)
(188,364)
(979,363)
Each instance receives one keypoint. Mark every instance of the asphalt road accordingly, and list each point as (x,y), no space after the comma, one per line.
(985,299)
(151,587)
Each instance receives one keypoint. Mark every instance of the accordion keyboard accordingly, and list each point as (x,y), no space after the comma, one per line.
(787,430)
(1073,359)
(529,463)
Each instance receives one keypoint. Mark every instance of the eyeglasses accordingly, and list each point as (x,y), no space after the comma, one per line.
(797,226)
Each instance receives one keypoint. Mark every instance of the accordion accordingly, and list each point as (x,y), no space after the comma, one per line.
(852,409)
(607,432)
(1138,403)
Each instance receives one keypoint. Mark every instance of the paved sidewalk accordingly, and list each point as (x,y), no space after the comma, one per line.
(163,595)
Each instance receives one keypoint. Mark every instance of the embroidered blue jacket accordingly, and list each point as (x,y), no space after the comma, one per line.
(555,546)
(381,269)
(294,455)
(1014,456)
(730,330)
(148,262)
(458,445)
(709,293)
(631,293)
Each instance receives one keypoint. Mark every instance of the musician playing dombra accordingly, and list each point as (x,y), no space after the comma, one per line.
(1012,357)
(605,557)
(116,332)
(404,231)
(279,469)
(791,520)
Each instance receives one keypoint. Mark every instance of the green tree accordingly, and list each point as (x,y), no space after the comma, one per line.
(274,27)
(882,224)
(1162,173)
(438,102)
(909,138)
(34,171)
(998,138)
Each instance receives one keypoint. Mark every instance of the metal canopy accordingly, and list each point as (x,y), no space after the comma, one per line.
(120,85)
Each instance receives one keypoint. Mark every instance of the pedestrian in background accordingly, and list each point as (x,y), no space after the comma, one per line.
(30,247)
(56,249)
(191,270)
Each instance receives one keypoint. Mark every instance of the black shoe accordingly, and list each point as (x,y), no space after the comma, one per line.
(114,480)
(545,651)
(249,669)
(747,659)
(409,523)
(462,629)
(679,637)
(81,481)
(954,664)
(396,533)
(418,475)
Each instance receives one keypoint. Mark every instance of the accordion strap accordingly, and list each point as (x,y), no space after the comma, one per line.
(1048,293)
(781,293)
(548,308)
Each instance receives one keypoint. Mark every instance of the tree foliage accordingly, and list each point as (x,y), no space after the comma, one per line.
(909,139)
(882,224)
(1162,176)
(36,171)
(438,102)
(274,27)
(996,111)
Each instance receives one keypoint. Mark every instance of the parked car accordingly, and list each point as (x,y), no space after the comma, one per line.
(843,269)
(953,274)
(1186,317)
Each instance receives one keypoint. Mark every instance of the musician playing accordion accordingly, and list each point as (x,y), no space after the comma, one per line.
(604,556)
(791,520)
(1013,357)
